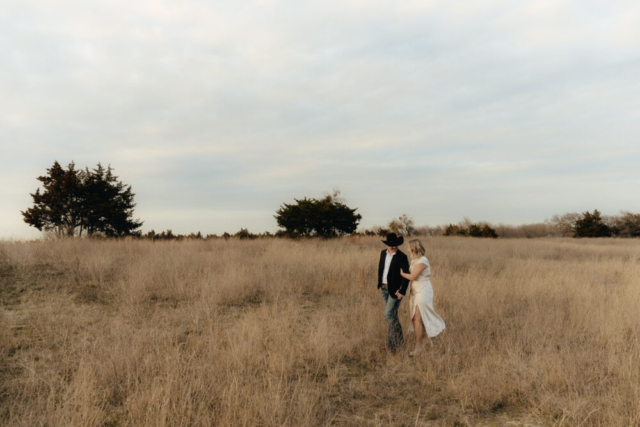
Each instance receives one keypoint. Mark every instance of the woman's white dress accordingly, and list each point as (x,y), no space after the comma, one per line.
(422,297)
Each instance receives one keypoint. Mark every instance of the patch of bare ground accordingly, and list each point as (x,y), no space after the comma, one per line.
(279,332)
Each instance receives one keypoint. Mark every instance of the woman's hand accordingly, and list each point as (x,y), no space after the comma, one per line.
(415,272)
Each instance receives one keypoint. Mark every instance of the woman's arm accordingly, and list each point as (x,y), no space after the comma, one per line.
(417,269)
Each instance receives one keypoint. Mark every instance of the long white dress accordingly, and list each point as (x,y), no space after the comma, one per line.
(422,297)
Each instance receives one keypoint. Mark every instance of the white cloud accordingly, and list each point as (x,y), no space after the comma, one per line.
(239,106)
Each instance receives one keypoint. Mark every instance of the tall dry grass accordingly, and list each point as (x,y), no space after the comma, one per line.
(278,332)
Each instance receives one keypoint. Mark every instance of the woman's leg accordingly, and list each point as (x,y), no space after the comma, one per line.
(421,334)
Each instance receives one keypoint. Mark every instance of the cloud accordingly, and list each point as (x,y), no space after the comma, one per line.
(240,106)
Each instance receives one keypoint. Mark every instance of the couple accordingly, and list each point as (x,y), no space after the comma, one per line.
(394,274)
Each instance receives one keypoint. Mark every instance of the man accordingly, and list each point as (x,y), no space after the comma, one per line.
(393,287)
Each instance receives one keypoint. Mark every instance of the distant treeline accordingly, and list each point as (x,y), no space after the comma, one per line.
(94,203)
(586,224)
(242,234)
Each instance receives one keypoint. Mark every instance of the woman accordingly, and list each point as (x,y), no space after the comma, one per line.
(425,321)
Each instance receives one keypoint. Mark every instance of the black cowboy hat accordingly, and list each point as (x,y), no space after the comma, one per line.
(393,240)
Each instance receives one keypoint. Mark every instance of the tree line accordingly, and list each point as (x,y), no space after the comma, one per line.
(94,203)
(586,224)
(594,224)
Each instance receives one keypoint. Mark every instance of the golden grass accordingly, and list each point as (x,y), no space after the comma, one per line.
(279,332)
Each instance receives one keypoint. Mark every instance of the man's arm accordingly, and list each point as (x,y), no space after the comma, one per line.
(404,266)
(380,269)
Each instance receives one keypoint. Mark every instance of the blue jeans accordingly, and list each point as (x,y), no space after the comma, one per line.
(394,337)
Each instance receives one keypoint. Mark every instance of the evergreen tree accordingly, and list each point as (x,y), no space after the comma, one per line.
(591,225)
(327,217)
(108,204)
(474,231)
(59,207)
(77,202)
(488,232)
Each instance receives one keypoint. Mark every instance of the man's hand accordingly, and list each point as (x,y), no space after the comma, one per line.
(399,295)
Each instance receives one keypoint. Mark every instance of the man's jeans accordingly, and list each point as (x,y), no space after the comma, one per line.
(394,336)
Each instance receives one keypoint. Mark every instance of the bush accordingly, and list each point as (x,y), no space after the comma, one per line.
(455,230)
(627,225)
(472,230)
(488,232)
(591,225)
(244,234)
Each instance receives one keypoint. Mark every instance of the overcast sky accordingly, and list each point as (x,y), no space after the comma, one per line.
(217,112)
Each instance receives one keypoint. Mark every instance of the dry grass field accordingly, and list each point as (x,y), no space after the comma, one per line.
(278,332)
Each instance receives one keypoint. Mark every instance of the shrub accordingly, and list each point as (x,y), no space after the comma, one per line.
(244,234)
(472,230)
(627,225)
(591,225)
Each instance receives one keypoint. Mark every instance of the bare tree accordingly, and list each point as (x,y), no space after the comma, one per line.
(403,225)
(565,225)
(627,225)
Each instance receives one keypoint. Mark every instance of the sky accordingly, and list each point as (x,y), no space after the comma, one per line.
(217,112)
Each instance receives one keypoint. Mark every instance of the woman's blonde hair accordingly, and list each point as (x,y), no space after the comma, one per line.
(416,249)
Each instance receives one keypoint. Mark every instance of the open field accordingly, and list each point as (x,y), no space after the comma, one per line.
(279,332)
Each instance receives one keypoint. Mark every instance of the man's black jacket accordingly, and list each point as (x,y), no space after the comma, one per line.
(394,280)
